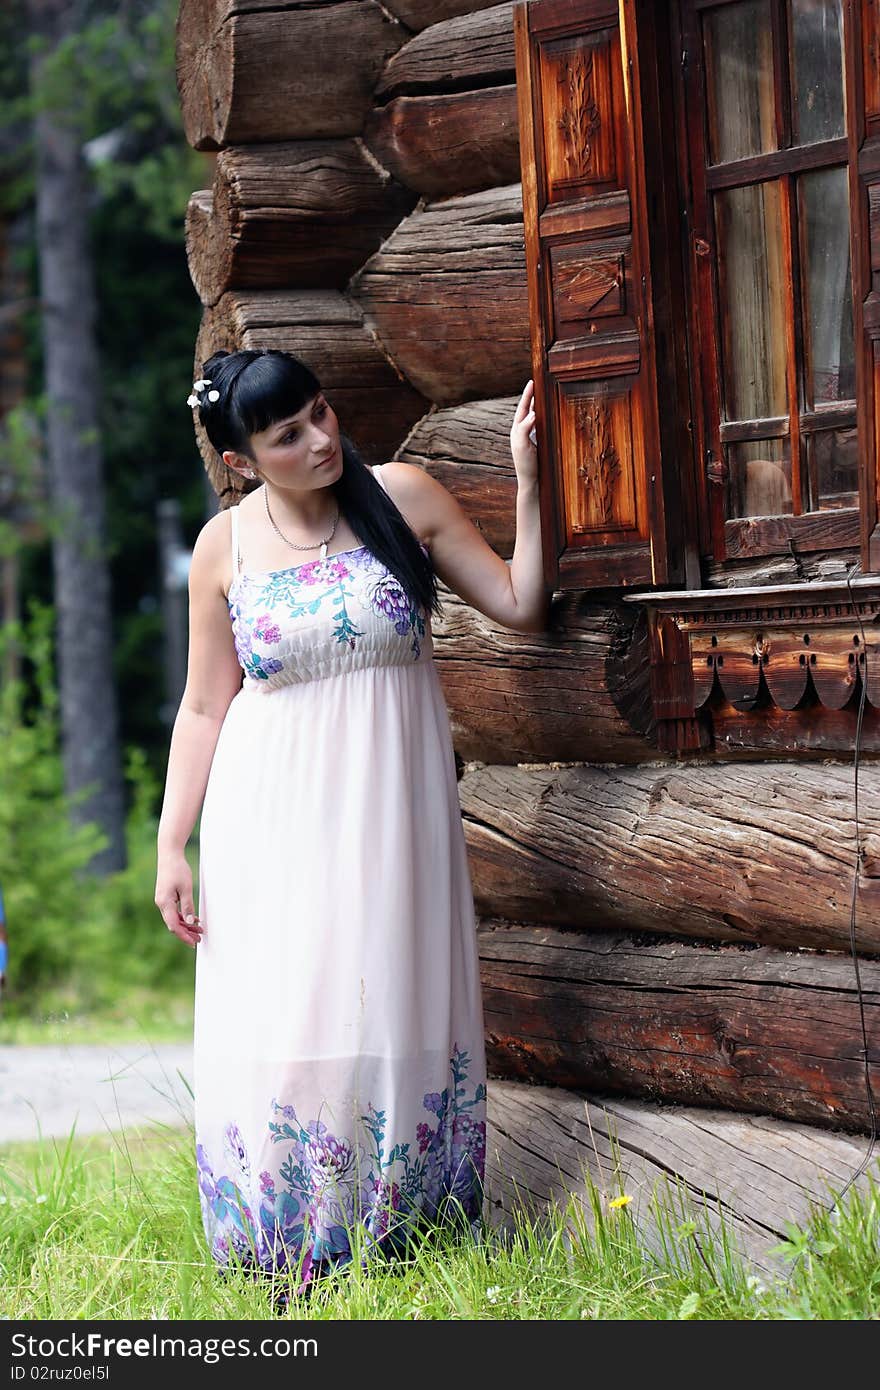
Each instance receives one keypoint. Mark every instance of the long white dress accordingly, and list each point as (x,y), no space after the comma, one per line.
(339,1067)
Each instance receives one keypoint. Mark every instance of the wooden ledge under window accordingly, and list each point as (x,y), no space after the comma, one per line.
(769,667)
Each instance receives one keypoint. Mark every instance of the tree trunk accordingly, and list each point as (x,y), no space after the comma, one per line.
(14,510)
(89,723)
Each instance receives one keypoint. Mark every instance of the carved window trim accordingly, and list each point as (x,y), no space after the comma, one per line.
(758,667)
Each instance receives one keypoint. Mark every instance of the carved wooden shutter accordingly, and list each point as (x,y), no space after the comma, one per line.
(604,499)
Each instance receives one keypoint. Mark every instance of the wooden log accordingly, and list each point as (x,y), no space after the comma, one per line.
(546,1145)
(579,691)
(738,852)
(304,214)
(446,295)
(745,1028)
(204,249)
(806,567)
(470,50)
(419,14)
(249,71)
(451,143)
(467,449)
(375,408)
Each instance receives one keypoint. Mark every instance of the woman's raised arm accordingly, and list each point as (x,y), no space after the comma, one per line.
(514,595)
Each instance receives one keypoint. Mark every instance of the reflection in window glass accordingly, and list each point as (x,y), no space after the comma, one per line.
(817,78)
(738,41)
(753,300)
(833,468)
(828,307)
(760,478)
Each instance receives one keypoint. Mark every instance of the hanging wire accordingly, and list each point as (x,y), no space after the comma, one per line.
(869,1090)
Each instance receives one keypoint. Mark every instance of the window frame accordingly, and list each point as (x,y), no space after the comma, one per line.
(725,538)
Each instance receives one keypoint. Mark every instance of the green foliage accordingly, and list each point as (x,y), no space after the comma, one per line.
(20,436)
(41,854)
(113,82)
(116,77)
(75,940)
(111,1228)
(159,184)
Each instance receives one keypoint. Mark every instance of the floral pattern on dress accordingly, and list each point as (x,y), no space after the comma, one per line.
(389,597)
(305,589)
(327,1184)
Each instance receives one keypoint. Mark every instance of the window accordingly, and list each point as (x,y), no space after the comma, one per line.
(771,270)
(701,194)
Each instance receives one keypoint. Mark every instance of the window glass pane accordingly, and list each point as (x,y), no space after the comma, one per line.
(738,41)
(817,77)
(833,468)
(752,300)
(760,478)
(827,287)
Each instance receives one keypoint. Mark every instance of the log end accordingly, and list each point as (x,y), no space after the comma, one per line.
(203,63)
(216,333)
(209,247)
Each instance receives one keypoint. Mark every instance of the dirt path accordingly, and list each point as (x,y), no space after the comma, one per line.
(97,1087)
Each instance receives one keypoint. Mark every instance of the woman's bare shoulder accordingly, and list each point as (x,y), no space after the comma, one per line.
(416,494)
(401,476)
(427,505)
(211,560)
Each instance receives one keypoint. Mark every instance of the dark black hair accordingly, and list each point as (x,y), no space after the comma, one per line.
(258,386)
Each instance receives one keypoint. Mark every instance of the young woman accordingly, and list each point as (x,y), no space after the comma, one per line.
(339,1064)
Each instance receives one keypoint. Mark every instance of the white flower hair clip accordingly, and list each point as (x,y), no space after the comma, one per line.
(195,397)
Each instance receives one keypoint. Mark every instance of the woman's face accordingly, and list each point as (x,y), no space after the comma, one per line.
(301,451)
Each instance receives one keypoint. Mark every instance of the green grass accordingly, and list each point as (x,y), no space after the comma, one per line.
(109,1227)
(158,1016)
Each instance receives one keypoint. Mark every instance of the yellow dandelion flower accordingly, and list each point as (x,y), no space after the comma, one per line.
(617,1202)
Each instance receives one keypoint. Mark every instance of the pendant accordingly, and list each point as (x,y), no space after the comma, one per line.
(323,550)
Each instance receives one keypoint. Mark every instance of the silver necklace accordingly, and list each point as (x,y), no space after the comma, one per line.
(322,544)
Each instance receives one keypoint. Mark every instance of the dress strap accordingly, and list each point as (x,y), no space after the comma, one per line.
(236,554)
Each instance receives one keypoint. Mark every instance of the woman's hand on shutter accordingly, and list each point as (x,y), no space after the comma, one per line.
(523,439)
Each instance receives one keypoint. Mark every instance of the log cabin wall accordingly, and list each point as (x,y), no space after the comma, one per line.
(663,915)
